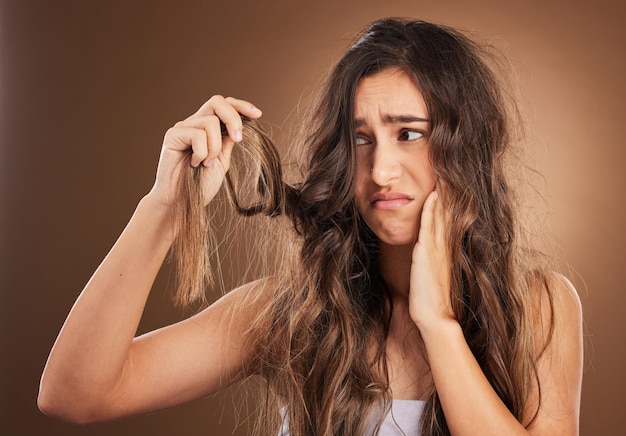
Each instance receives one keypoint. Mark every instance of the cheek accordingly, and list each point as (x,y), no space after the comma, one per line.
(361,182)
(425,173)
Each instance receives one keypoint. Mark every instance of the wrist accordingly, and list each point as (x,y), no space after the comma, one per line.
(439,329)
(159,213)
(156,196)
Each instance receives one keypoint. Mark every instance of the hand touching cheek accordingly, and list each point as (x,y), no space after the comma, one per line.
(429,292)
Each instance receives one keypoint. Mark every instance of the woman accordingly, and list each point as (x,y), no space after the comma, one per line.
(412,303)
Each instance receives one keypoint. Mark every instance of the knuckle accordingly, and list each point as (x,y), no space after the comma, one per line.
(198,137)
(211,124)
(212,120)
(201,154)
(216,99)
(169,133)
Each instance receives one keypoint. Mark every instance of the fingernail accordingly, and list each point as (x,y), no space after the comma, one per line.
(237,135)
(257,110)
(209,163)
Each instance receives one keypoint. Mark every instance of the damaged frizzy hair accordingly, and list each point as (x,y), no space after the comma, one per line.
(260,169)
(319,339)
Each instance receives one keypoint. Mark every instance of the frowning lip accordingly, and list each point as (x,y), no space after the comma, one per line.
(390,200)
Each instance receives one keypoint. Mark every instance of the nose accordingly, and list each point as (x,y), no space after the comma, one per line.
(385,166)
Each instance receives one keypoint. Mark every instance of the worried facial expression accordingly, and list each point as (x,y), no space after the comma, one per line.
(394,174)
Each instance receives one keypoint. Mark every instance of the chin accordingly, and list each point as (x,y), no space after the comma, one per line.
(395,236)
(397,241)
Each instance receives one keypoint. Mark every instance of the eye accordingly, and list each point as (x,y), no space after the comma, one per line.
(410,135)
(360,140)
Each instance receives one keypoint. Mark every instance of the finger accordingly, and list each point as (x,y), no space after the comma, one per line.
(214,138)
(186,138)
(229,111)
(439,221)
(427,220)
(197,122)
(206,122)
(245,107)
(227,149)
(211,124)
(218,106)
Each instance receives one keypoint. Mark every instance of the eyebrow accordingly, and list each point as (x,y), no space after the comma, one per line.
(394,119)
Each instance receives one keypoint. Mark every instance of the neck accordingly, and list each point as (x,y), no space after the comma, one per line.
(395,268)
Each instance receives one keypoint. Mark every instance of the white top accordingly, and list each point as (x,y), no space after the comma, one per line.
(403,419)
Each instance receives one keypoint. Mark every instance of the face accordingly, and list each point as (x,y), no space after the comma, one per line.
(394,174)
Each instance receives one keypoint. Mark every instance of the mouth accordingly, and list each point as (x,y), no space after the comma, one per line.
(389,200)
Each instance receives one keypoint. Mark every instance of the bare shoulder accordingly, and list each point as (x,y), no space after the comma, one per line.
(565,297)
(560,364)
(566,310)
(556,305)
(558,319)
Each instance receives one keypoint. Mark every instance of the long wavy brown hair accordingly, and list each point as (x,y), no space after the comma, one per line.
(319,338)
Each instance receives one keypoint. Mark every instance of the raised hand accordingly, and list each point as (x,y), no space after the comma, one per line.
(429,293)
(200,134)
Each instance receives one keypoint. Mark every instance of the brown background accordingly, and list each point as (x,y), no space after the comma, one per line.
(88,89)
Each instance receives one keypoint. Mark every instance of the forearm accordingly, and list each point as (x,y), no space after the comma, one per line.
(92,348)
(470,404)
